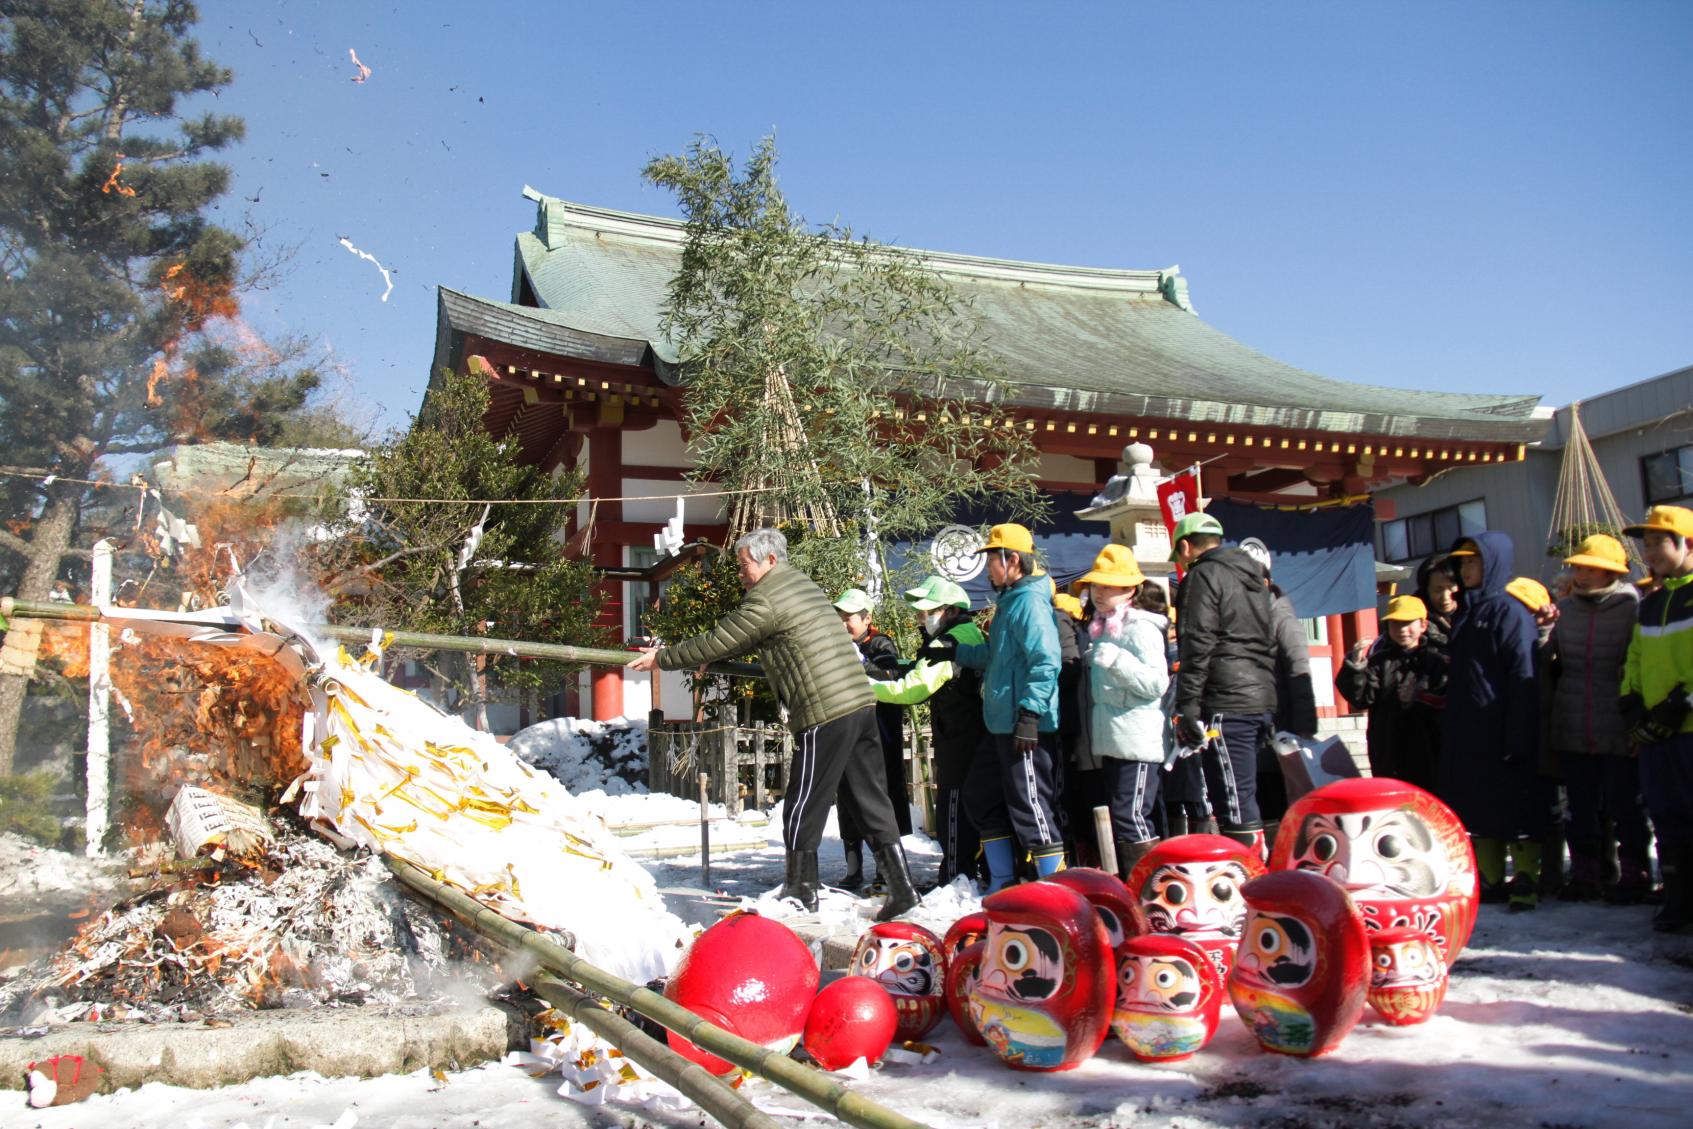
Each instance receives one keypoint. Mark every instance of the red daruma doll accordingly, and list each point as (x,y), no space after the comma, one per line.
(1189,886)
(963,947)
(908,961)
(1168,997)
(1044,998)
(1400,853)
(1407,975)
(1302,969)
(1117,911)
(749,975)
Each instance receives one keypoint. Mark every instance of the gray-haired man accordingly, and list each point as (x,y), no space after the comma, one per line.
(816,673)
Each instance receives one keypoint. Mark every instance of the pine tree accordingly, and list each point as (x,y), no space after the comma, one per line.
(109,269)
(839,381)
(426,552)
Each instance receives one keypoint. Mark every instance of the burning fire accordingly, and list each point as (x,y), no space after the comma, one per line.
(216,716)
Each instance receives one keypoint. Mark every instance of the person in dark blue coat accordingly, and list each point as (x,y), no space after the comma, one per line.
(1488,767)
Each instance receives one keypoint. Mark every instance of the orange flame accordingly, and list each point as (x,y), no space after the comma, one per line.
(112,184)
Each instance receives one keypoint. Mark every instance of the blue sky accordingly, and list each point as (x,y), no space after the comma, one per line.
(1458,196)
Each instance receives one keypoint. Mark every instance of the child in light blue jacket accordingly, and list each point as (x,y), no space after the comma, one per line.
(1127,676)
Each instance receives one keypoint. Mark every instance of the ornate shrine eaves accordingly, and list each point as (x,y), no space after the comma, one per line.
(1113,343)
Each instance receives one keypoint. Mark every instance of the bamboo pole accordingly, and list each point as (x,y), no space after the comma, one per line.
(705,1089)
(474,644)
(770,1065)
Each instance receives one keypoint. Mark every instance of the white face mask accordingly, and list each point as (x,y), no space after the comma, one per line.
(932,621)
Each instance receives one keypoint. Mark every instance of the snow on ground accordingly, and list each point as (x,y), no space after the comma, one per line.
(1572,1015)
(28,870)
(586,755)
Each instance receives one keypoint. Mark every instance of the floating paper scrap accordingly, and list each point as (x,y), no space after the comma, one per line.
(200,820)
(366,255)
(364,71)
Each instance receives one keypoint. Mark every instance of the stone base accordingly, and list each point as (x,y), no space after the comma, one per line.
(335,1042)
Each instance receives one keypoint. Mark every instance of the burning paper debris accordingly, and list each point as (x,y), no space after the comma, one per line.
(364,71)
(386,277)
(302,925)
(202,822)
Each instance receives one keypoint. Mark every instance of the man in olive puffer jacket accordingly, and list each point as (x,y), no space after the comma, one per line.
(817,675)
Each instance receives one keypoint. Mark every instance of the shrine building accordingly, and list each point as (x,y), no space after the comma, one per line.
(1095,360)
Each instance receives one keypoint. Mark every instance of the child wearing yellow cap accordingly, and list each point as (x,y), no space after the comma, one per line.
(1400,681)
(1588,733)
(1657,679)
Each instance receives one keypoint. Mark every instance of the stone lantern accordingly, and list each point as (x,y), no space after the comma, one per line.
(1129,502)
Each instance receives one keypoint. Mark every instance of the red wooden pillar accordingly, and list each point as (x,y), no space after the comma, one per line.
(1338,643)
(605,480)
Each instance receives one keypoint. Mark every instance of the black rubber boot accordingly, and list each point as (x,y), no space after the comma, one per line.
(902,897)
(1175,821)
(801,884)
(1249,835)
(853,880)
(1676,914)
(1130,853)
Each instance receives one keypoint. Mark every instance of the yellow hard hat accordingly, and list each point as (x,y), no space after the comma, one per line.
(1664,519)
(1115,565)
(1600,551)
(1531,592)
(1404,608)
(1011,536)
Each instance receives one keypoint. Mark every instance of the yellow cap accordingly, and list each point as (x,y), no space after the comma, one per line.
(1069,605)
(1115,565)
(1402,609)
(1600,551)
(1010,536)
(1466,548)
(1531,592)
(1664,519)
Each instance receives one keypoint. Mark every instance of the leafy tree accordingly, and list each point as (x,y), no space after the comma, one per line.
(838,381)
(110,271)
(420,500)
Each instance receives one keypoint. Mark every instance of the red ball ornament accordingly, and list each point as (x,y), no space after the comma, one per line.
(1401,853)
(749,975)
(852,1018)
(1303,966)
(908,961)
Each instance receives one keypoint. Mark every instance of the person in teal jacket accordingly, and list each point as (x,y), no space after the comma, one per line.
(1015,790)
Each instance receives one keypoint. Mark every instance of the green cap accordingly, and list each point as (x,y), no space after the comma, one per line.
(854,600)
(937,592)
(1190,525)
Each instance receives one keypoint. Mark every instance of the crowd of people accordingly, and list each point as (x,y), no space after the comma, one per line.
(1551,724)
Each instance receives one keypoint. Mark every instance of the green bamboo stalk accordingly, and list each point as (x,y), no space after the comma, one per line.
(474,644)
(803,1081)
(705,1089)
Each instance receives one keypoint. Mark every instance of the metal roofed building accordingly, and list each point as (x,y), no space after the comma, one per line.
(1642,436)
(581,374)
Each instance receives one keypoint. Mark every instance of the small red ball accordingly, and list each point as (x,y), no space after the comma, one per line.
(852,1018)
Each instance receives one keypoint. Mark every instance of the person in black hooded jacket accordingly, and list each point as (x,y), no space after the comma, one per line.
(1226,635)
(1491,738)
